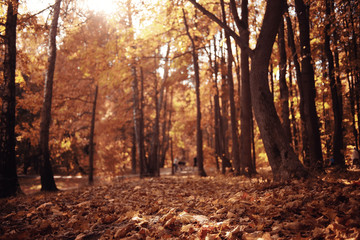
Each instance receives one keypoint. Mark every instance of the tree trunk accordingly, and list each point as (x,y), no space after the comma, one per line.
(284,91)
(46,172)
(282,158)
(217,132)
(245,98)
(292,111)
(164,146)
(234,127)
(199,144)
(154,170)
(91,143)
(133,151)
(138,122)
(335,92)
(308,89)
(9,184)
(224,116)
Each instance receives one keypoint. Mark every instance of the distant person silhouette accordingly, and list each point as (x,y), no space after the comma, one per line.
(355,158)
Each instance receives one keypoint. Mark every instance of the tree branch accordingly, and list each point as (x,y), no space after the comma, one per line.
(240,41)
(239,23)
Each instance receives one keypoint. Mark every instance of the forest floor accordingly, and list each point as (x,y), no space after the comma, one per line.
(189,207)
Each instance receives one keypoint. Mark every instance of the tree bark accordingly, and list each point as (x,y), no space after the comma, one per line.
(309,92)
(153,169)
(199,144)
(284,91)
(46,172)
(138,122)
(234,127)
(133,151)
(335,87)
(91,143)
(282,158)
(291,42)
(245,98)
(9,184)
(219,149)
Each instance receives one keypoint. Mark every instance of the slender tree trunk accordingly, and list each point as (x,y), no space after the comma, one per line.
(163,146)
(292,111)
(308,88)
(142,157)
(291,42)
(351,84)
(253,143)
(224,116)
(46,172)
(133,151)
(91,143)
(271,75)
(9,184)
(234,128)
(138,122)
(199,144)
(335,93)
(284,91)
(165,140)
(245,98)
(154,161)
(217,132)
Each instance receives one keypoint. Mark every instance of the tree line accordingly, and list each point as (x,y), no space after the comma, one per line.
(225,82)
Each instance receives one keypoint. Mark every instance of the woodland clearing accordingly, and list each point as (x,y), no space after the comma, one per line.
(190,207)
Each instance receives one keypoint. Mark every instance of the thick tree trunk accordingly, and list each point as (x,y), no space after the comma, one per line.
(199,143)
(46,172)
(309,92)
(282,158)
(9,184)
(91,143)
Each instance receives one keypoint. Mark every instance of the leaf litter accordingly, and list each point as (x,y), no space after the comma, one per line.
(188,207)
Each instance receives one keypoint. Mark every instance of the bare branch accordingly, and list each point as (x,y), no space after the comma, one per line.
(240,41)
(239,23)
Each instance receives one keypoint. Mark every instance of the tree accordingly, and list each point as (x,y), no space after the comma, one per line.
(199,143)
(234,128)
(282,158)
(46,172)
(245,98)
(91,143)
(284,91)
(335,86)
(9,184)
(308,89)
